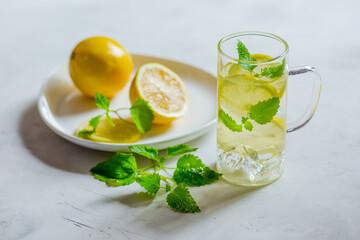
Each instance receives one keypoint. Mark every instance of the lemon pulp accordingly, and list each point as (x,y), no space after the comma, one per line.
(163,89)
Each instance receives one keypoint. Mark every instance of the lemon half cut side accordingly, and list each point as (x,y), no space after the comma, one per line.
(163,89)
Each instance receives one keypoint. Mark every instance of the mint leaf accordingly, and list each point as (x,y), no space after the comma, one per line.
(244,55)
(192,172)
(179,149)
(195,177)
(145,151)
(244,120)
(167,188)
(85,132)
(94,122)
(181,200)
(101,101)
(229,122)
(119,166)
(189,161)
(112,182)
(274,72)
(264,111)
(142,115)
(257,75)
(248,126)
(151,183)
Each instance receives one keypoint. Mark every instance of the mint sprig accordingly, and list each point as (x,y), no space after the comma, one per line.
(263,112)
(140,111)
(121,169)
(229,122)
(269,72)
(275,71)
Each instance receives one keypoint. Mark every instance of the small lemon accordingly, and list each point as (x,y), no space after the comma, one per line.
(100,64)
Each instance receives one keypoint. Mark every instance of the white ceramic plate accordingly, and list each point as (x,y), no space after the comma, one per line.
(63,107)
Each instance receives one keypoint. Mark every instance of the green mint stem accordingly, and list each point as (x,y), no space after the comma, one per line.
(168,168)
(117,114)
(119,109)
(145,168)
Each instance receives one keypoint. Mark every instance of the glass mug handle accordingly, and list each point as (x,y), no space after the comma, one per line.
(310,110)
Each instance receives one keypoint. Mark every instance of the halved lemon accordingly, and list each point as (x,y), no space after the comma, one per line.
(122,132)
(163,89)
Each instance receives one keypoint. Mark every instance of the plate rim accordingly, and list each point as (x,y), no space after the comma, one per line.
(104,146)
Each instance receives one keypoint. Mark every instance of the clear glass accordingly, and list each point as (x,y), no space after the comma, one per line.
(252,125)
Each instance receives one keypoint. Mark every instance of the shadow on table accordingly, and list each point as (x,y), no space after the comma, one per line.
(153,212)
(56,152)
(52,149)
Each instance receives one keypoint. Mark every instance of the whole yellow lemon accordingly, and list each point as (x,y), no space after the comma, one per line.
(100,64)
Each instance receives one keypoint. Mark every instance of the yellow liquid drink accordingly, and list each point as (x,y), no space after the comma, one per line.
(251,124)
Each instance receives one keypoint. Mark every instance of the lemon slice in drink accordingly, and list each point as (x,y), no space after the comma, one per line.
(261,57)
(236,69)
(279,84)
(237,93)
(122,132)
(163,89)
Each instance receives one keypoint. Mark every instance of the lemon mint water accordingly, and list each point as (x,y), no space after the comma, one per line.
(251,117)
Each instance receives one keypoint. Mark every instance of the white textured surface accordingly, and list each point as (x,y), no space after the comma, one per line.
(46,191)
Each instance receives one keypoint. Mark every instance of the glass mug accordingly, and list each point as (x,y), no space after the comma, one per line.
(251,97)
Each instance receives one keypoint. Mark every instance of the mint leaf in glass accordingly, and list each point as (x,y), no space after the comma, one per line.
(275,71)
(264,111)
(229,122)
(244,55)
